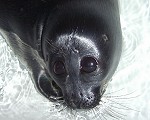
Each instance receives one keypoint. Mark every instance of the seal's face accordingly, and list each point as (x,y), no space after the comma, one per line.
(77,67)
(81,52)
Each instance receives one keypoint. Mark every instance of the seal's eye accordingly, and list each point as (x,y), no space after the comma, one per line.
(59,68)
(88,64)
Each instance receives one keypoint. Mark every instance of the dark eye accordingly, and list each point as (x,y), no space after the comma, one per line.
(88,64)
(59,68)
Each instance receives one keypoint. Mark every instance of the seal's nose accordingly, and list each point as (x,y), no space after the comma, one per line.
(82,101)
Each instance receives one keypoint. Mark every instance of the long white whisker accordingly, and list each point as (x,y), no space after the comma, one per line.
(128,108)
(120,96)
(114,91)
(110,114)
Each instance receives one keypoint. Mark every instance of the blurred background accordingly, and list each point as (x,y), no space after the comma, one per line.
(127,96)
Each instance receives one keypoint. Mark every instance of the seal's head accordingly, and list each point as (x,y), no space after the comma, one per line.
(81,49)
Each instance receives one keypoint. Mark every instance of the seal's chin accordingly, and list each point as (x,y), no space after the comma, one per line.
(83,103)
(75,100)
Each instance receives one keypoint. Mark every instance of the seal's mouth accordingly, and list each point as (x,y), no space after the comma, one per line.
(73,101)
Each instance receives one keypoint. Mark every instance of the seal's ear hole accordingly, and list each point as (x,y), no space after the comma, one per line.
(89,64)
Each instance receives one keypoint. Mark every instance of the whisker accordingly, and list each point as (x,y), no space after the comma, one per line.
(118,107)
(104,117)
(96,114)
(113,108)
(59,100)
(117,97)
(110,114)
(53,46)
(64,108)
(101,111)
(121,95)
(115,112)
(128,108)
(114,91)
(73,112)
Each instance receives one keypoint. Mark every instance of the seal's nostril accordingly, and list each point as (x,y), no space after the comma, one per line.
(89,98)
(81,95)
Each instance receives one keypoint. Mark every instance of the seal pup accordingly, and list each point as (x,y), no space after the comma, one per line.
(70,47)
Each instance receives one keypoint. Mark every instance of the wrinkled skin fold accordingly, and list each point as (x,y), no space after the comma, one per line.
(70,47)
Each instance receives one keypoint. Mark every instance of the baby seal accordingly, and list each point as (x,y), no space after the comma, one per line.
(70,47)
